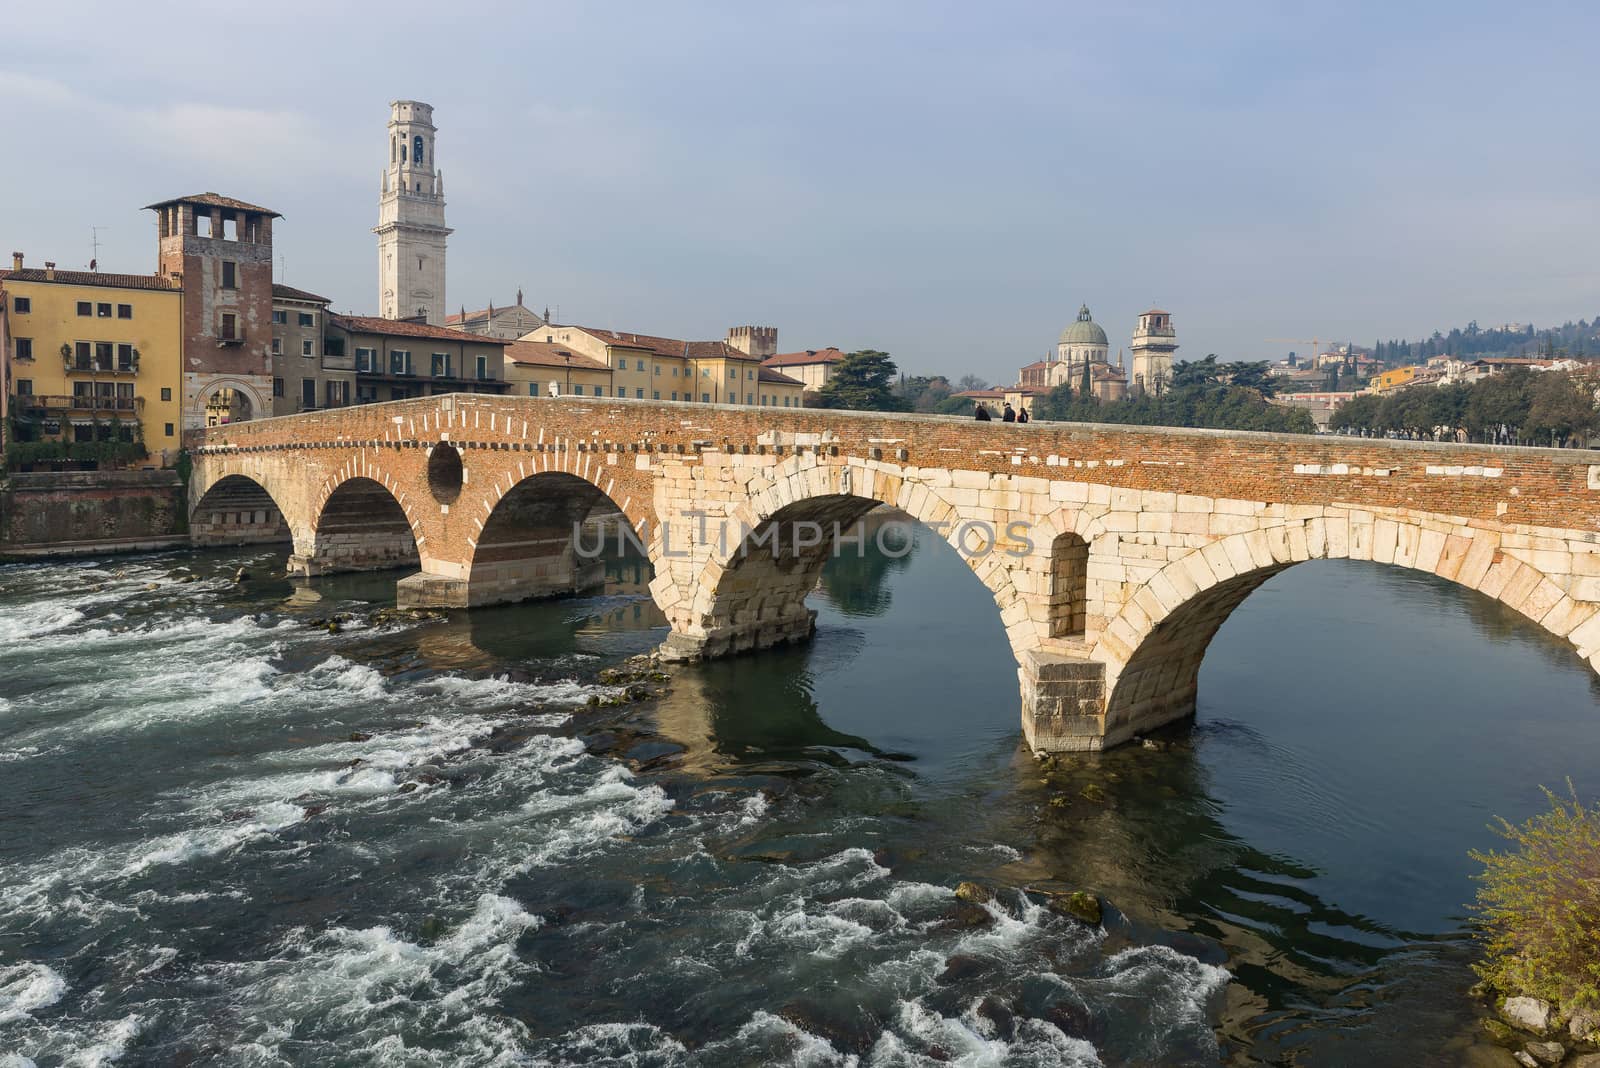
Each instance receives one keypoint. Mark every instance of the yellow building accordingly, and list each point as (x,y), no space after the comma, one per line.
(537,369)
(647,367)
(1394,378)
(95,357)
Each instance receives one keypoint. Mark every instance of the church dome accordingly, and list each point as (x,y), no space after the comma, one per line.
(1084,332)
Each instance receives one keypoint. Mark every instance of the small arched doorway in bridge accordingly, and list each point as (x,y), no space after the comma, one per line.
(237,510)
(1069,586)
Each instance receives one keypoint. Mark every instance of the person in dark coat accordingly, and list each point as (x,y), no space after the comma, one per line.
(982,413)
(1022,415)
(1009,415)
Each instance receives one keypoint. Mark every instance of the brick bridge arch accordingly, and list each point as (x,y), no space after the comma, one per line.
(1138,540)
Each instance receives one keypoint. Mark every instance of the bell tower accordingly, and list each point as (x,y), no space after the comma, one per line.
(1154,342)
(411,230)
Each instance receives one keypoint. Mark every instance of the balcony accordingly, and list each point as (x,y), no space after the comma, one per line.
(92,367)
(55,402)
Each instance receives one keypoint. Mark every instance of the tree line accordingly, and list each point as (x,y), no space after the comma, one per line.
(1517,407)
(1569,339)
(1201,393)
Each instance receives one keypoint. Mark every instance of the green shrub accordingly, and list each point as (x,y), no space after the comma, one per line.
(1539,906)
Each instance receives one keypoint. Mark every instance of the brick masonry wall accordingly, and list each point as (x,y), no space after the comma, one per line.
(1172,519)
(89,508)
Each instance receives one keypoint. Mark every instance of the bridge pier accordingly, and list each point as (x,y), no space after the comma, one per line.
(503,582)
(1063,704)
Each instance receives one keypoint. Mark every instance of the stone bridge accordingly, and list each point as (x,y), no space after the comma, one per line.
(1113,553)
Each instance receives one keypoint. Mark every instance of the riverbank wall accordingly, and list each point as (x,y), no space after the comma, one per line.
(68,513)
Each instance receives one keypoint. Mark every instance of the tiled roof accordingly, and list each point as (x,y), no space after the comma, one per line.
(541,354)
(92,278)
(809,356)
(283,292)
(666,346)
(767,374)
(1035,365)
(214,200)
(372,324)
(988,394)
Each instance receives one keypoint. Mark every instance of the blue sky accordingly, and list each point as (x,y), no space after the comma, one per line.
(945,181)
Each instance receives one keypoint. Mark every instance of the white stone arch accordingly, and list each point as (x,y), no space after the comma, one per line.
(260,406)
(1153,647)
(804,478)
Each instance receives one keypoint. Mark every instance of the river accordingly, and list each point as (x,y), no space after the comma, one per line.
(232,835)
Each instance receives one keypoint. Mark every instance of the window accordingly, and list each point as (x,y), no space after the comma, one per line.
(441,364)
(169,429)
(674,394)
(733,374)
(277,346)
(577,390)
(22,305)
(125,358)
(24,348)
(103,309)
(655,394)
(533,389)
(333,346)
(124,311)
(230,275)
(639,392)
(416,152)
(308,394)
(599,391)
(125,397)
(307,347)
(230,326)
(166,391)
(83,356)
(658,368)
(280,317)
(749,376)
(674,372)
(705,398)
(337,393)
(749,398)
(483,368)
(399,363)
(307,319)
(85,308)
(705,372)
(277,387)
(103,355)
(367,360)
(24,387)
(366,394)
(398,393)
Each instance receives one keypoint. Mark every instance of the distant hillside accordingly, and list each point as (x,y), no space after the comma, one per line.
(1581,338)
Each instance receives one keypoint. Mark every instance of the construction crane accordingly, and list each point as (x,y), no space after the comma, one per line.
(1315,343)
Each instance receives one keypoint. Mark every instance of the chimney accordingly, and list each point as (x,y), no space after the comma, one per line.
(49,271)
(16,261)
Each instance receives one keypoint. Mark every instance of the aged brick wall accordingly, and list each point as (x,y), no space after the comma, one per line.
(1179,525)
(85,509)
